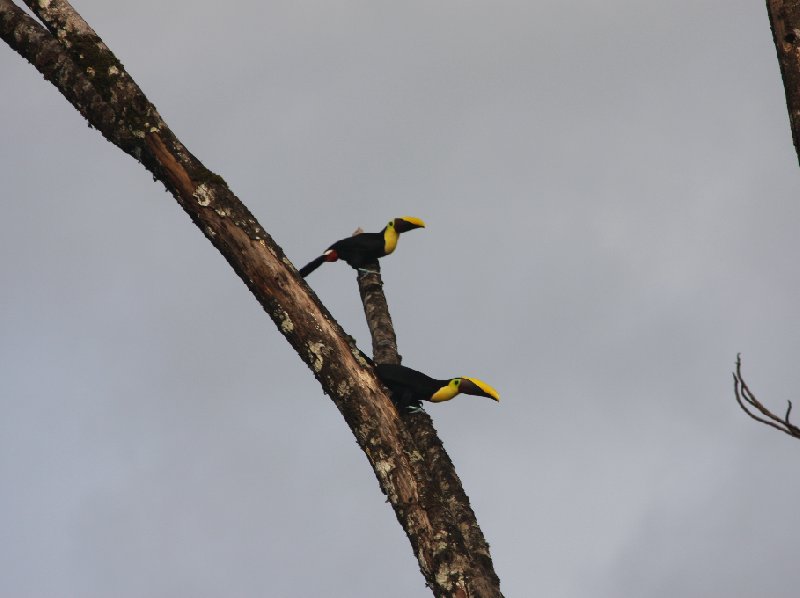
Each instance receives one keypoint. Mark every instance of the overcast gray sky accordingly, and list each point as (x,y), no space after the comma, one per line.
(611,197)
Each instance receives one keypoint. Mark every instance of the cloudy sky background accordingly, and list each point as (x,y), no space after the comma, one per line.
(611,197)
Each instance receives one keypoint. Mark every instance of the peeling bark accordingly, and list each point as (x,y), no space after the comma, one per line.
(784,19)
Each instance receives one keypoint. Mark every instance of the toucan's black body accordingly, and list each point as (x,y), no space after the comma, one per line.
(410,387)
(361,249)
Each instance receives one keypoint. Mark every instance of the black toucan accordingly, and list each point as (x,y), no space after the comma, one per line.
(362,248)
(409,387)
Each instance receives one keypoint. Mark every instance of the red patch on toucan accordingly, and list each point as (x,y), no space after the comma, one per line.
(331,255)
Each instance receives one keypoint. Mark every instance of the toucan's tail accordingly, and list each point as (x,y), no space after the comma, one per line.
(311,266)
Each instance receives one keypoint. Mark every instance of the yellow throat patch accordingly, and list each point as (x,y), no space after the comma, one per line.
(390,236)
(445,393)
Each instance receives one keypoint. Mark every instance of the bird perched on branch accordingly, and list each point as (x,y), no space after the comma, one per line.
(362,248)
(410,387)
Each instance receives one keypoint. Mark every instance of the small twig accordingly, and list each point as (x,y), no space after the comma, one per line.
(749,403)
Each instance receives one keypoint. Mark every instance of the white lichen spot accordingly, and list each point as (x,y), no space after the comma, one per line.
(210,232)
(286,323)
(203,195)
(384,468)
(444,577)
(343,389)
(440,541)
(421,555)
(415,457)
(359,357)
(316,354)
(44,3)
(90,71)
(113,70)
(224,212)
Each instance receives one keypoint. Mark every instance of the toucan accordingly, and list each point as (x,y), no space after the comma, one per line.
(410,387)
(363,248)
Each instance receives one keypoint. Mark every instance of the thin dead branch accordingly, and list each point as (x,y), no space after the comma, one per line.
(753,407)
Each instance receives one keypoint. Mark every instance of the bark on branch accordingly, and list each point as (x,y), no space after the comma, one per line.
(454,518)
(74,58)
(784,19)
(752,406)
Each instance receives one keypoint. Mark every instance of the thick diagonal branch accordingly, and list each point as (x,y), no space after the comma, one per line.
(753,407)
(87,73)
(784,19)
(448,505)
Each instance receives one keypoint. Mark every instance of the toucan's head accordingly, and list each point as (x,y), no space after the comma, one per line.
(330,255)
(469,386)
(405,224)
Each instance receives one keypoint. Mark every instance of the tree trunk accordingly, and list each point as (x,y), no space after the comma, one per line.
(784,19)
(86,72)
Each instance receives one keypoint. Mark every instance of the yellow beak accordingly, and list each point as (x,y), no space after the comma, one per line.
(488,391)
(417,222)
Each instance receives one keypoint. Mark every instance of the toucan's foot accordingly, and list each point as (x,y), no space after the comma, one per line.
(364,271)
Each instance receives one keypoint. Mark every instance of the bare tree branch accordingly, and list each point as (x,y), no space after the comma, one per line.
(376,310)
(88,74)
(751,406)
(455,517)
(784,19)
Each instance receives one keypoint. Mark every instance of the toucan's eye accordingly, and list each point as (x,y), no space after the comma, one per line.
(456,382)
